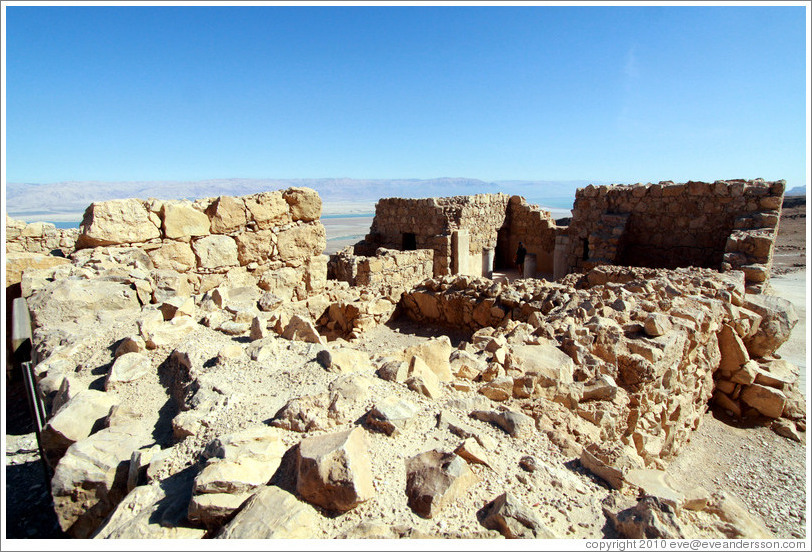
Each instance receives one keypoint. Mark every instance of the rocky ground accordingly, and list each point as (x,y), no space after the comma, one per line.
(765,471)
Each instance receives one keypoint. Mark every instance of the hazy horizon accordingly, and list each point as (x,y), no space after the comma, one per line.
(66,201)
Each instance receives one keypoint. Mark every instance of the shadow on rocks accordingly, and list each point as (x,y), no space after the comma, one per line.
(403,324)
(29,507)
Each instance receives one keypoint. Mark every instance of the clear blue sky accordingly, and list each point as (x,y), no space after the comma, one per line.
(620,94)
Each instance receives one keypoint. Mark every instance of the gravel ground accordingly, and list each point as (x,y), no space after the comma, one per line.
(765,470)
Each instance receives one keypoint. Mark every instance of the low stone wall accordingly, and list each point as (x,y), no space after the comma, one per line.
(662,335)
(724,225)
(402,269)
(39,237)
(273,239)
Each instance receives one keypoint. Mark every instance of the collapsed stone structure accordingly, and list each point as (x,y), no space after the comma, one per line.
(660,343)
(468,234)
(614,365)
(726,225)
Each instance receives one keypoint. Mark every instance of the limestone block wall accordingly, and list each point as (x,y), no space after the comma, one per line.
(535,228)
(723,225)
(388,266)
(430,223)
(39,237)
(273,238)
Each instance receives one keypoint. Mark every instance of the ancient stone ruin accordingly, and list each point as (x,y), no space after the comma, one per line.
(725,225)
(208,372)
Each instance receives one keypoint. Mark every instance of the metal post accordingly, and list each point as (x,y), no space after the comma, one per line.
(21,346)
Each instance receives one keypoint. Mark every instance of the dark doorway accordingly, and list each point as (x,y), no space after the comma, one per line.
(503,257)
(409,241)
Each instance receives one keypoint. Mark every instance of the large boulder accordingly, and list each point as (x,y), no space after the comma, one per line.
(127,367)
(390,415)
(434,479)
(268,209)
(516,424)
(611,462)
(344,360)
(650,518)
(436,353)
(334,470)
(303,414)
(70,299)
(272,513)
(174,255)
(115,222)
(238,465)
(545,360)
(778,317)
(154,511)
(17,263)
(734,353)
(515,520)
(254,247)
(767,400)
(301,329)
(74,422)
(91,479)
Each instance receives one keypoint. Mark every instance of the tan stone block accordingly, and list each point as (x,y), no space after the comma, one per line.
(767,400)
(182,221)
(334,470)
(305,203)
(226,214)
(253,247)
(116,222)
(216,252)
(301,242)
(268,209)
(734,353)
(174,255)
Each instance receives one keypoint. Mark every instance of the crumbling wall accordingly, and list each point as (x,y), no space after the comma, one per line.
(723,225)
(390,267)
(536,229)
(39,237)
(431,224)
(273,239)
(670,339)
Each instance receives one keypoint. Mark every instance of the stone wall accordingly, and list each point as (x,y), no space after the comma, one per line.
(467,233)
(670,339)
(402,269)
(723,225)
(39,237)
(535,228)
(433,222)
(274,239)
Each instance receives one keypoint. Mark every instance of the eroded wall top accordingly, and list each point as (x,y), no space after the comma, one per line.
(723,225)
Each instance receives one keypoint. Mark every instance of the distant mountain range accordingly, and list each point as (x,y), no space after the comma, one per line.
(796,191)
(68,200)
